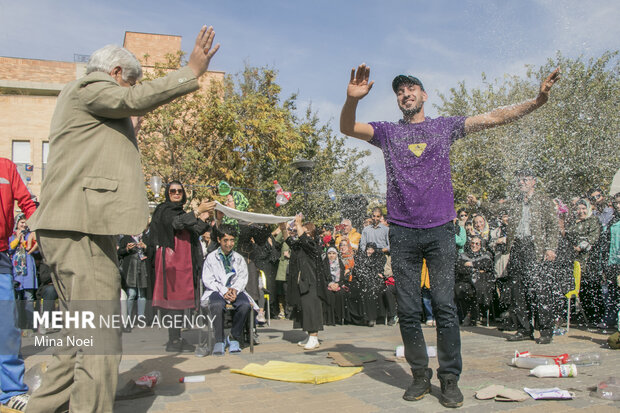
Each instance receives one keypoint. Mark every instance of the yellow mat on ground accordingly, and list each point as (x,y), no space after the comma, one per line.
(298,372)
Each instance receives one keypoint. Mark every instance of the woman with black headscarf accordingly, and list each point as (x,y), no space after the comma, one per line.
(306,283)
(581,235)
(174,234)
(366,285)
(333,268)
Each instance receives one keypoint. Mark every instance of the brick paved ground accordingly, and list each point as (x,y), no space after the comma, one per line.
(377,389)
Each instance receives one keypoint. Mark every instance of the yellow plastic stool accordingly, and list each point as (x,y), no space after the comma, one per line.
(573,293)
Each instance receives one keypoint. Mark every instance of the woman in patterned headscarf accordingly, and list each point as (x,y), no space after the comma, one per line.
(22,245)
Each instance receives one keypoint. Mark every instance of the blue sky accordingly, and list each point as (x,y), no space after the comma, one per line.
(314,44)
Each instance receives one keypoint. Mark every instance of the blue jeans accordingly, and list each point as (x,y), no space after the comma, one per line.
(426,300)
(136,294)
(409,246)
(11,362)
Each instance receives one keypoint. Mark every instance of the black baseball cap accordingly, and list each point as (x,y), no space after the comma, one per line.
(525,172)
(400,79)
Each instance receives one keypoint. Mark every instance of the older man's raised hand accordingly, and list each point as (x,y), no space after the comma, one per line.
(203,51)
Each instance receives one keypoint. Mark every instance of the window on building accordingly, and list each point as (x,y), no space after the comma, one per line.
(21,152)
(45,151)
(21,158)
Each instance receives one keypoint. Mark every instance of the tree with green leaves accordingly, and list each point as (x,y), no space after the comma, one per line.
(571,142)
(241,131)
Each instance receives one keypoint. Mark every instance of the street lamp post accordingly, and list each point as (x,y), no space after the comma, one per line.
(155,183)
(304,166)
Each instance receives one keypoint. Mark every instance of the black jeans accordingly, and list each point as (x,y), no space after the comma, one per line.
(533,289)
(408,247)
(48,295)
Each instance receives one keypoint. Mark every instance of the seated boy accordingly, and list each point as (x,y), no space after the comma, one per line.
(225,275)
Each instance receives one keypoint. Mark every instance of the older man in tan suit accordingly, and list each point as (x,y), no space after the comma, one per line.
(93,190)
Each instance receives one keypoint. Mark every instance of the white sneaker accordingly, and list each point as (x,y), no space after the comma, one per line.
(313,343)
(430,323)
(18,402)
(260,318)
(302,343)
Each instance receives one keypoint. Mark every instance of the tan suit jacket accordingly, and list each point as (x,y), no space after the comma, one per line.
(543,223)
(94,182)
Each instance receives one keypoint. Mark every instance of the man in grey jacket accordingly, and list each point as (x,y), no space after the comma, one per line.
(532,236)
(94,189)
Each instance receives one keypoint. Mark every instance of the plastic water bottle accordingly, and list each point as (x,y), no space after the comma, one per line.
(585,359)
(149,379)
(565,370)
(281,196)
(400,351)
(34,376)
(532,362)
(192,379)
(332,194)
(608,389)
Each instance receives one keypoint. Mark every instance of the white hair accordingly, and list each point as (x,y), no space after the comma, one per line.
(111,56)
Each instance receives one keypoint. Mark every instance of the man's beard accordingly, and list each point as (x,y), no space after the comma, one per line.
(409,113)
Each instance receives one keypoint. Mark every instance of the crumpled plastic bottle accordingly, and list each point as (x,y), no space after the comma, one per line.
(149,379)
(34,376)
(608,389)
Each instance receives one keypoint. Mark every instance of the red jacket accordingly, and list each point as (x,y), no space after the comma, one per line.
(12,189)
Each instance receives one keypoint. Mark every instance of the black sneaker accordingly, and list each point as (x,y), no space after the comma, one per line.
(450,395)
(420,386)
(520,337)
(179,346)
(544,340)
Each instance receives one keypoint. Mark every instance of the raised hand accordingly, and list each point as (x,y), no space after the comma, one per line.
(203,51)
(358,85)
(545,86)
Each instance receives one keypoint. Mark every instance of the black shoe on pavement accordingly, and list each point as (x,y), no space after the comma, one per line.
(179,346)
(420,386)
(450,395)
(544,340)
(520,337)
(391,321)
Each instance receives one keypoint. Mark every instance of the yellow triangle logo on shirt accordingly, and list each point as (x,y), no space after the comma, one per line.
(417,148)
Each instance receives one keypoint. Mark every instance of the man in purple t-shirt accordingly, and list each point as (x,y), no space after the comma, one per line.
(420,203)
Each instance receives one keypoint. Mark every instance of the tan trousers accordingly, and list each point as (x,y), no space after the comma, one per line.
(86,277)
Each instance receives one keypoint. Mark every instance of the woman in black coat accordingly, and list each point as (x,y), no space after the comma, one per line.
(173,234)
(306,282)
(366,286)
(333,270)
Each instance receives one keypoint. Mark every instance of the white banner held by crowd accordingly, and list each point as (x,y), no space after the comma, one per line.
(251,217)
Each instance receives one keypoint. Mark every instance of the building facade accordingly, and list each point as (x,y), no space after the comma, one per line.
(28,92)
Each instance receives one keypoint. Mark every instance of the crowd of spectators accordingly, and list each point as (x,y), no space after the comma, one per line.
(348,271)
(587,231)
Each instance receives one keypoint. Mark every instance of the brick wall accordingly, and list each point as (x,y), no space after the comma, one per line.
(155,45)
(32,70)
